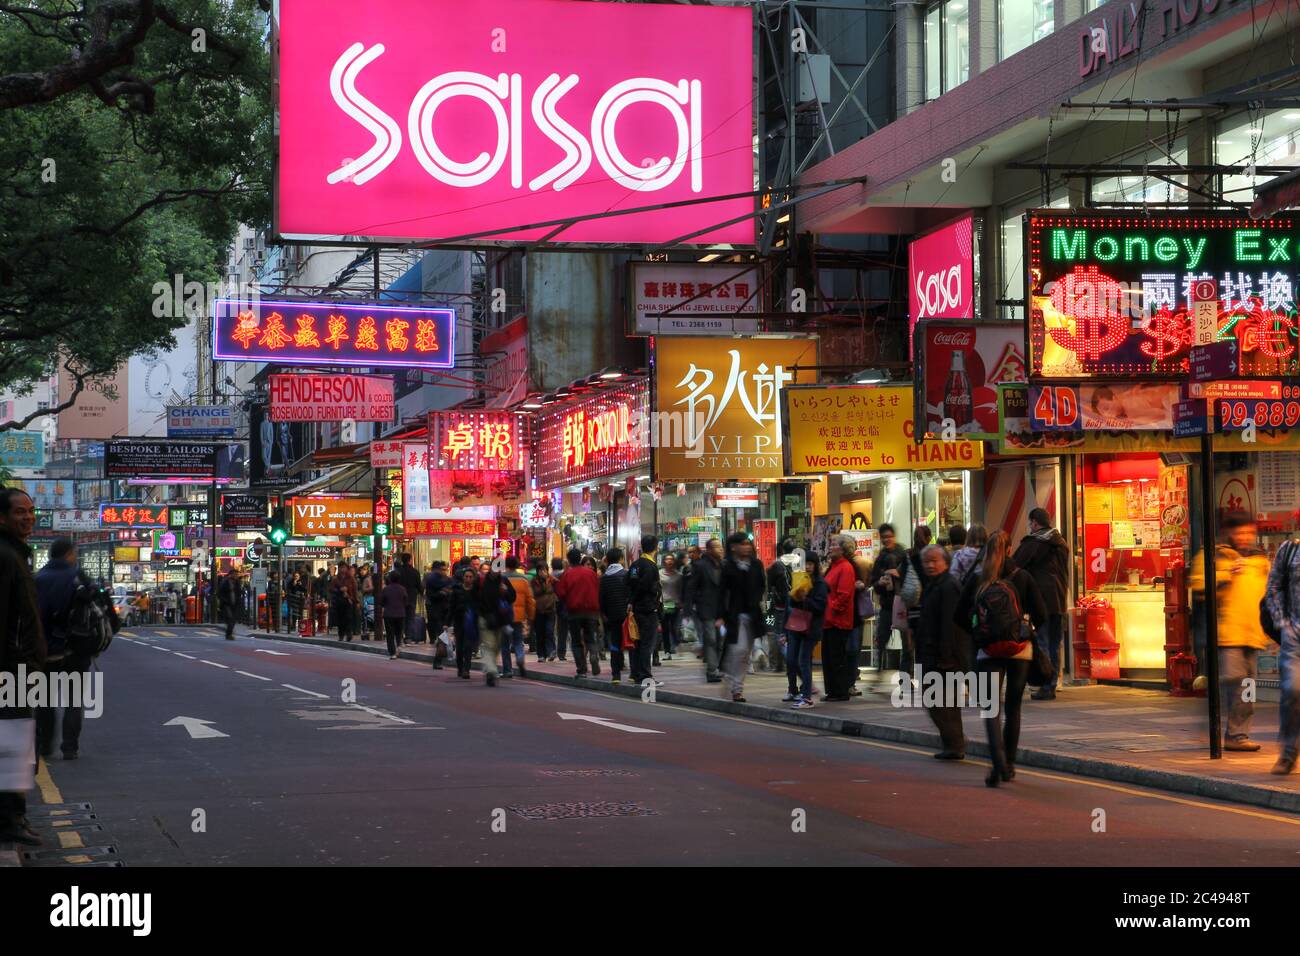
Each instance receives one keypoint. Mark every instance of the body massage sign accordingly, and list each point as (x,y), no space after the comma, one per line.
(863,428)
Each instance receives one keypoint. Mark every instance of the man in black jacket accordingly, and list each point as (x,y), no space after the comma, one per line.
(437,598)
(740,610)
(887,576)
(704,595)
(1046,556)
(410,579)
(942,647)
(22,642)
(779,577)
(646,595)
(614,598)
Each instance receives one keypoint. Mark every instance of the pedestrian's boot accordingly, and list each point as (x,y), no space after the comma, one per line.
(1242,745)
(1285,765)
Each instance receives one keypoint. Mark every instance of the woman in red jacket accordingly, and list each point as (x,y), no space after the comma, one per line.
(841,581)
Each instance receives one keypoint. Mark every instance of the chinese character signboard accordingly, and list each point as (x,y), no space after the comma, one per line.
(693,298)
(76,520)
(312,397)
(22,449)
(386,454)
(864,428)
(717,405)
(333,333)
(450,527)
(959,367)
(187,516)
(1121,297)
(475,458)
(201,421)
(488,135)
(146,461)
(595,437)
(130,514)
(335,517)
(941,274)
(243,512)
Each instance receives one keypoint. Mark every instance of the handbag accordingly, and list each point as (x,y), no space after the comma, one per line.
(910,592)
(798,620)
(630,633)
(1041,671)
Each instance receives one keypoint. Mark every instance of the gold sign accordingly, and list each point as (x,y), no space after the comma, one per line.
(717,411)
(864,428)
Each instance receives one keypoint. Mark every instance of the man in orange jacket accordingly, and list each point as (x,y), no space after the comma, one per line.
(525,611)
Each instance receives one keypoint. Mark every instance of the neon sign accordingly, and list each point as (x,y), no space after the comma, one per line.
(595,437)
(1127,297)
(333,333)
(132,515)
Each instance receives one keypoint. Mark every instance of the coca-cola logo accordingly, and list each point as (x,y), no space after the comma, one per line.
(938,293)
(955,339)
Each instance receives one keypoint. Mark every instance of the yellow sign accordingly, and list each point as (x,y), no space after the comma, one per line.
(717,411)
(864,428)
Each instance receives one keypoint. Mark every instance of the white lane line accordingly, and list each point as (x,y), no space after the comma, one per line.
(214,664)
(188,657)
(158,648)
(258,676)
(302,690)
(380,713)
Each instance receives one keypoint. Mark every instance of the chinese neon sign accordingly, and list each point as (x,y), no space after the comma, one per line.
(430,528)
(334,333)
(132,515)
(595,437)
(1125,297)
(475,441)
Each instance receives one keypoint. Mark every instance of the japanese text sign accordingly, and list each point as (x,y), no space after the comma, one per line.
(864,428)
(330,516)
(312,397)
(530,111)
(132,515)
(717,414)
(1119,296)
(334,333)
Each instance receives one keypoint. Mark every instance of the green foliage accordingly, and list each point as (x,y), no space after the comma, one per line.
(127,180)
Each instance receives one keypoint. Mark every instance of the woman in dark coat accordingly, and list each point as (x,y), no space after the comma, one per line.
(942,648)
(462,610)
(296,593)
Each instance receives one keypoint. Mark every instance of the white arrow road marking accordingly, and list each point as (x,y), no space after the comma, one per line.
(198,729)
(258,676)
(304,691)
(606,722)
(262,650)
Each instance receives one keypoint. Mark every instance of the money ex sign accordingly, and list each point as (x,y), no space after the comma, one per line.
(519,120)
(331,398)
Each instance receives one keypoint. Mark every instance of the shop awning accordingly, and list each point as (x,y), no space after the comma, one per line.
(346,474)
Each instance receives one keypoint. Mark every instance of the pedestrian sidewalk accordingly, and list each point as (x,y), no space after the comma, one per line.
(1123,734)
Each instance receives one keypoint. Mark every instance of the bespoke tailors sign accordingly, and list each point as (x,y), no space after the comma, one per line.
(1127,297)
(313,397)
(333,333)
(530,111)
(173,460)
(243,512)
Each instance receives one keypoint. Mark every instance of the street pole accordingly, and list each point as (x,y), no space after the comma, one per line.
(284,582)
(377,575)
(1211,597)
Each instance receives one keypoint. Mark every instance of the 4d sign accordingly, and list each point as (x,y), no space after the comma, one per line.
(333,333)
(523,119)
(1124,297)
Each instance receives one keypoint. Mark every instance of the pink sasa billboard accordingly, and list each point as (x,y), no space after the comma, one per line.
(431,119)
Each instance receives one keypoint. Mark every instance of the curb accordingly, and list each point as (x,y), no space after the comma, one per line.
(1258,795)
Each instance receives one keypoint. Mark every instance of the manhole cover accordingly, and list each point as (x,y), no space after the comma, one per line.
(568,811)
(588,773)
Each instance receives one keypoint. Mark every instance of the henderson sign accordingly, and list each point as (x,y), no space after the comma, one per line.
(432,119)
(313,397)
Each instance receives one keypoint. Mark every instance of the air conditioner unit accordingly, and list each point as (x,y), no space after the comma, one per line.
(250,242)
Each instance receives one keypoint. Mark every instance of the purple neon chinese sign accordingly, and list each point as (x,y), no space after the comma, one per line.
(334,333)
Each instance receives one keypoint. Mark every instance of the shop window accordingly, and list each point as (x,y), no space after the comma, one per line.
(1260,139)
(1022,22)
(947,47)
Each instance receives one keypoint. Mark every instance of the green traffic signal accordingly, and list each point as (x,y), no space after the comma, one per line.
(276,529)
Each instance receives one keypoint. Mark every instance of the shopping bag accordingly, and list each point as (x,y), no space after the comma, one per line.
(631,633)
(688,628)
(18,754)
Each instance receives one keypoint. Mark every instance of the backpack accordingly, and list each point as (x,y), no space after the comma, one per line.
(997,621)
(89,627)
(1271,627)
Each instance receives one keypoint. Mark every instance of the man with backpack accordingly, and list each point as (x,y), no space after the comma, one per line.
(1044,554)
(78,621)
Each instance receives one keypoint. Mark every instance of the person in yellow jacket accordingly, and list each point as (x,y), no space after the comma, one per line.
(1241,575)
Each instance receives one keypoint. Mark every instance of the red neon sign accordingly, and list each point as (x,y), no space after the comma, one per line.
(478,441)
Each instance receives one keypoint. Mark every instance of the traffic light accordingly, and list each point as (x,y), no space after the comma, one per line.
(383,510)
(276,528)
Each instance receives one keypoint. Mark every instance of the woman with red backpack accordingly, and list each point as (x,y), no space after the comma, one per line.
(1001,606)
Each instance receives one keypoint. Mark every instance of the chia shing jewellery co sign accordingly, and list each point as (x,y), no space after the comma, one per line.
(429,119)
(331,398)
